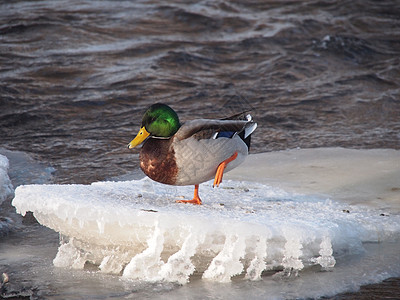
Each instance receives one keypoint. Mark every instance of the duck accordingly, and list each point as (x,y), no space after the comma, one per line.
(192,152)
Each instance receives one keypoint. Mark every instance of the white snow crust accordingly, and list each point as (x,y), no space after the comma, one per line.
(135,228)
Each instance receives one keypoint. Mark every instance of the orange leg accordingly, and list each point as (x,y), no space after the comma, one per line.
(221,168)
(196,199)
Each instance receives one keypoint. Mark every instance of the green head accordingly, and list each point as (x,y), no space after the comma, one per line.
(160,120)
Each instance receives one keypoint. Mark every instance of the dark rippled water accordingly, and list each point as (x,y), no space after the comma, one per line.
(75,76)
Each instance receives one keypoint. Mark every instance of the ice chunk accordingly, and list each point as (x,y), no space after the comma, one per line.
(136,229)
(6,188)
(6,192)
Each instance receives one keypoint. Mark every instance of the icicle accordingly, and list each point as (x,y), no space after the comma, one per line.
(326,259)
(227,263)
(100,226)
(147,264)
(291,260)
(257,265)
(68,256)
(113,263)
(179,265)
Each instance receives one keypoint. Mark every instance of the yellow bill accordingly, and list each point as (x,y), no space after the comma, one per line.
(140,137)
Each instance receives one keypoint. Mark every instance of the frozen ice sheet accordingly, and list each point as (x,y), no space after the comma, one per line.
(365,177)
(136,229)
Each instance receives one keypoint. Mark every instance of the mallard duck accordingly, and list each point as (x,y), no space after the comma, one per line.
(193,152)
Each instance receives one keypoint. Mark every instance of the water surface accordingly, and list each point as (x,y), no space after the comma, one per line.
(75,76)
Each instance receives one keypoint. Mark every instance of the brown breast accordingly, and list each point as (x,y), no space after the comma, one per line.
(157,160)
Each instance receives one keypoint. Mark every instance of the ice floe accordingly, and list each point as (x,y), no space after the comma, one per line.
(135,228)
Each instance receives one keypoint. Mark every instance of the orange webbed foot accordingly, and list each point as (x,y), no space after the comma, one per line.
(196,199)
(221,168)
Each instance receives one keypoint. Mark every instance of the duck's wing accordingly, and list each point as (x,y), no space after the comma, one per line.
(206,128)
